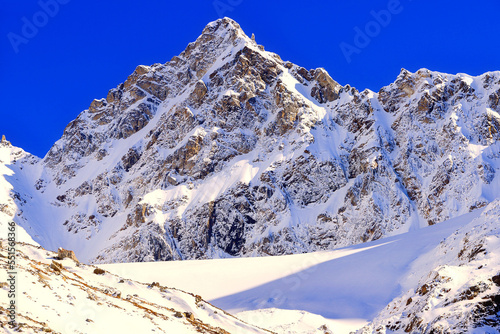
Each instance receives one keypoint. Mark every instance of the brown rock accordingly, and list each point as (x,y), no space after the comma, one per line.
(114,95)
(326,89)
(96,105)
(305,73)
(189,315)
(287,117)
(134,77)
(136,94)
(156,89)
(496,279)
(99,271)
(425,103)
(141,69)
(64,253)
(200,90)
(56,266)
(134,120)
(424,289)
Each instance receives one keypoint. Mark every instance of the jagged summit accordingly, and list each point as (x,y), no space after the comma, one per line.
(222,26)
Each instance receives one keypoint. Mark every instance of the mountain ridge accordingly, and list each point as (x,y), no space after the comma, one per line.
(226,150)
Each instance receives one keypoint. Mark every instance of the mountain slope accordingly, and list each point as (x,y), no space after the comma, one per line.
(454,288)
(440,279)
(226,150)
(69,297)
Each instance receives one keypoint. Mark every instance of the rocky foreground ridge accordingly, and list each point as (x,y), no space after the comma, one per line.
(227,150)
(56,295)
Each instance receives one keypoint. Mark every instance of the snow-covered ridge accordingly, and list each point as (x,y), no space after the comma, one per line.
(68,297)
(13,186)
(227,150)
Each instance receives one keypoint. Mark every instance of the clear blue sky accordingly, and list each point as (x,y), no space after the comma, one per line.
(84,48)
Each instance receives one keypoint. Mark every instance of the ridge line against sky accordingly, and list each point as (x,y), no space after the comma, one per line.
(59,55)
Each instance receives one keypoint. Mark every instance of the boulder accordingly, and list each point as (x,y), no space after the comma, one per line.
(189,315)
(99,271)
(64,253)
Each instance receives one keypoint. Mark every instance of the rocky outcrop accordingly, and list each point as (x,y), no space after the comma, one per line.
(325,88)
(64,253)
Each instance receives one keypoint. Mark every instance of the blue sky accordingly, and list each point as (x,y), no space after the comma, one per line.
(56,56)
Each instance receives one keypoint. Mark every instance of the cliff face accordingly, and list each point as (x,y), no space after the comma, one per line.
(227,150)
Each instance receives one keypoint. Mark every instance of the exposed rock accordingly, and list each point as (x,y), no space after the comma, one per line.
(99,271)
(56,266)
(325,89)
(448,301)
(200,90)
(189,315)
(130,159)
(97,106)
(63,253)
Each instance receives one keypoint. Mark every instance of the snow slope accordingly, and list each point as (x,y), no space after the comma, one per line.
(9,189)
(350,285)
(69,297)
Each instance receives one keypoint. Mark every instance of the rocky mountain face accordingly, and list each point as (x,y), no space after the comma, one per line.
(227,150)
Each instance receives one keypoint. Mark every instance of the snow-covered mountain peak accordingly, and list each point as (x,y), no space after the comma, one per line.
(227,150)
(224,27)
